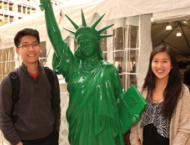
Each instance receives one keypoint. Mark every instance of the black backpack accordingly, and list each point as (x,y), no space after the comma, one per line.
(15,83)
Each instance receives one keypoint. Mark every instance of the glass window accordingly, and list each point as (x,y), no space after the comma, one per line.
(19,8)
(10,7)
(5,5)
(118,37)
(120,61)
(131,80)
(43,54)
(132,50)
(1,5)
(24,10)
(75,45)
(133,36)
(28,10)
(104,55)
(1,17)
(126,50)
(6,18)
(119,53)
(123,80)
(11,18)
(103,42)
(132,61)
(7,62)
(103,46)
(33,10)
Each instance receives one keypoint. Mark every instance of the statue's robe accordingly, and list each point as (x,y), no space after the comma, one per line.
(92,113)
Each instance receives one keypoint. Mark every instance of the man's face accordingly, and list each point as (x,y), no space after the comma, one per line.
(29,50)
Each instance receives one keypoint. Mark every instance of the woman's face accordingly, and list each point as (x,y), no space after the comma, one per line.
(88,47)
(161,65)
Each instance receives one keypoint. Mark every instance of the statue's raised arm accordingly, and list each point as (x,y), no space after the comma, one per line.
(52,27)
(63,59)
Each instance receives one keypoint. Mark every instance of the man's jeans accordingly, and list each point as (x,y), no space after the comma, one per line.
(51,139)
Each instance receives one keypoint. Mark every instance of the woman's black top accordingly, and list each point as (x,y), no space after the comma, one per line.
(156,127)
(152,137)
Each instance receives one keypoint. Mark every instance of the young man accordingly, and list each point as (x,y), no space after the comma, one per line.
(38,108)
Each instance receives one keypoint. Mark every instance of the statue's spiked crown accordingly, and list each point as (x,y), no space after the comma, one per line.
(86,29)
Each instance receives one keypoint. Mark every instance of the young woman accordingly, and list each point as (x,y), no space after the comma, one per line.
(166,119)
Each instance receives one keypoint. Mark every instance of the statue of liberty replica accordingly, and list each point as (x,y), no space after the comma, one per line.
(93,84)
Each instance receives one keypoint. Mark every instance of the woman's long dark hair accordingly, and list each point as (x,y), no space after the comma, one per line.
(174,87)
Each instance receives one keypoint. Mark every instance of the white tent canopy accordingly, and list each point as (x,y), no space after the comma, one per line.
(113,9)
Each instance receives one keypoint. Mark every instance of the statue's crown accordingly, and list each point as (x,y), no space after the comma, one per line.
(86,29)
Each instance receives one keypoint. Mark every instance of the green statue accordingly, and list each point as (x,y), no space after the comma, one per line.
(94,84)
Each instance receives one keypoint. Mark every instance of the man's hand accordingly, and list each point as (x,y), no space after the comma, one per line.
(20,143)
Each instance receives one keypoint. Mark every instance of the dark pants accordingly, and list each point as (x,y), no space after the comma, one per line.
(51,139)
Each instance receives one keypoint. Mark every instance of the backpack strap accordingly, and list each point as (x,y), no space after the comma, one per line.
(15,83)
(49,74)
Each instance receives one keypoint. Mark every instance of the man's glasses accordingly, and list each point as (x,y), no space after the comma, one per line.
(27,46)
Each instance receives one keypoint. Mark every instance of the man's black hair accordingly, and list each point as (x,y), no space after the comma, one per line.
(24,32)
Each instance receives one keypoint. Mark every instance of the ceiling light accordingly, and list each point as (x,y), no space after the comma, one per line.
(152,19)
(185,21)
(168,27)
(116,63)
(178,34)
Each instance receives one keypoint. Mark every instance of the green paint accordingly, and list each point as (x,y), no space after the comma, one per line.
(94,84)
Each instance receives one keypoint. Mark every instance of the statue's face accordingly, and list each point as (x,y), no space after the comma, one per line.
(88,47)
